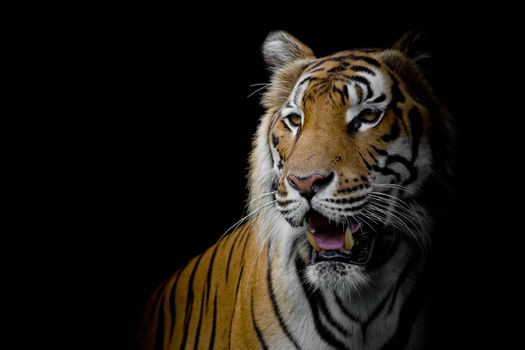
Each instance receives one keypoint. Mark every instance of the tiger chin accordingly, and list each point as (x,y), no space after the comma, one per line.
(347,180)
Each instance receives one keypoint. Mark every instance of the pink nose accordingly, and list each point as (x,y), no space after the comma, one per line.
(308,186)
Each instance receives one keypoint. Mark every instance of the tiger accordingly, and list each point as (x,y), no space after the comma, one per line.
(349,171)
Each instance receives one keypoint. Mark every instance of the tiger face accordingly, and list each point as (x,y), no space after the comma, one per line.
(341,154)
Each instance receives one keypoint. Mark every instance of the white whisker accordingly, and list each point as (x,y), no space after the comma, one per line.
(399,187)
(243,219)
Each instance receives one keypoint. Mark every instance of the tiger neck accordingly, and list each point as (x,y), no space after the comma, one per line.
(286,282)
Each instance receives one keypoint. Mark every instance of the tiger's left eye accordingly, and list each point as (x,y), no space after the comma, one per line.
(294,119)
(370,116)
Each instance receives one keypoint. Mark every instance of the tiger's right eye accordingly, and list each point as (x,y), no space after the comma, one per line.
(294,119)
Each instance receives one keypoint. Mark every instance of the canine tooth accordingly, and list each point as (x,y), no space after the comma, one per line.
(349,239)
(311,240)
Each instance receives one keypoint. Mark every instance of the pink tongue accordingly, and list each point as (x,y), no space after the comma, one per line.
(329,241)
(327,235)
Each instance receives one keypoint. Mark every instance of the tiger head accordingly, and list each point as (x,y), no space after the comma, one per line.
(341,157)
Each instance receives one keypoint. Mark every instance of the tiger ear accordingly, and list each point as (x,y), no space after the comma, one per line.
(281,48)
(414,44)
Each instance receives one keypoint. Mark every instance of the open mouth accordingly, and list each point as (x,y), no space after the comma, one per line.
(348,243)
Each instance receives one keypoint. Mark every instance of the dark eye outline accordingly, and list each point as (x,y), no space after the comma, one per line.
(377,115)
(291,116)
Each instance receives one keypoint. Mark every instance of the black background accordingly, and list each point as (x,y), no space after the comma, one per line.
(171,131)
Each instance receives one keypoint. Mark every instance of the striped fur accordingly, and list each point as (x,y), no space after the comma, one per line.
(258,288)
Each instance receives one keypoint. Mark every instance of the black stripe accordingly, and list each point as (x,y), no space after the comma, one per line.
(396,158)
(312,298)
(350,200)
(397,95)
(355,208)
(305,80)
(363,69)
(257,329)
(387,171)
(275,306)
(345,91)
(361,80)
(238,283)
(407,270)
(172,303)
(199,322)
(369,94)
(247,239)
(372,156)
(210,271)
(349,190)
(331,320)
(234,303)
(212,337)
(285,203)
(189,303)
(380,151)
(367,59)
(340,92)
(379,98)
(408,315)
(232,249)
(394,132)
(335,69)
(416,125)
(344,310)
(292,222)
(284,212)
(247,234)
(371,61)
(375,313)
(410,167)
(368,166)
(298,240)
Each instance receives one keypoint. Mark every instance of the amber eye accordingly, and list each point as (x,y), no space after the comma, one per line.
(294,119)
(370,116)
